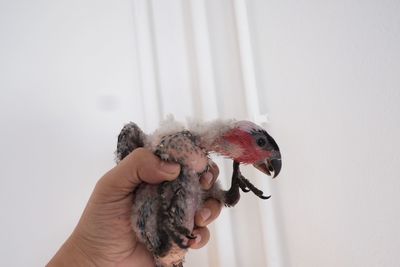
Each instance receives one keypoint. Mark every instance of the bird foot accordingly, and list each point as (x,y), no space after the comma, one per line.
(250,187)
(232,196)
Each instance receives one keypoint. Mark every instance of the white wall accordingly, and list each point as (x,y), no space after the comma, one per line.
(67,69)
(72,72)
(330,72)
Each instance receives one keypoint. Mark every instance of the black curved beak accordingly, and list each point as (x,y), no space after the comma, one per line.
(269,166)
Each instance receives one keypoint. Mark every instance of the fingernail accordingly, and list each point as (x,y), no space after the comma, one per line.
(205,214)
(208,177)
(169,167)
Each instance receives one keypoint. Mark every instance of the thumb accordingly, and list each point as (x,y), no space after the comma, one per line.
(139,166)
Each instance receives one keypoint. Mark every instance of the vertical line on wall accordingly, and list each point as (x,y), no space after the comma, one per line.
(204,65)
(246,58)
(147,64)
(194,65)
(221,249)
(139,69)
(270,233)
(155,58)
(192,60)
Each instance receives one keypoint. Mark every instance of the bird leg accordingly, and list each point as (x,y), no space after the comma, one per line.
(176,211)
(232,196)
(164,242)
(172,212)
(251,187)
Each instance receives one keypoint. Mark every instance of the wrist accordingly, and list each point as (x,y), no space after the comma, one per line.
(71,254)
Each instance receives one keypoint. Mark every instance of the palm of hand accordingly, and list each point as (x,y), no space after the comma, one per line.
(104,232)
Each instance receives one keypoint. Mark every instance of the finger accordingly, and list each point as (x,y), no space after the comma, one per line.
(208,213)
(139,166)
(202,237)
(209,178)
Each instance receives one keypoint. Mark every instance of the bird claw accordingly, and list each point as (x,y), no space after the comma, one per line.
(191,236)
(264,197)
(251,187)
(243,185)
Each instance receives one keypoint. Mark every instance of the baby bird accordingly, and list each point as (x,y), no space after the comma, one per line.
(163,215)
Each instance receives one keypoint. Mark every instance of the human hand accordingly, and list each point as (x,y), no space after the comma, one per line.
(104,236)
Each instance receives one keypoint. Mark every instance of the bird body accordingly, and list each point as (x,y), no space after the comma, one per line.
(163,215)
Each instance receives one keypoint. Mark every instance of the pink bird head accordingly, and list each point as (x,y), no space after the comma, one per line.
(248,143)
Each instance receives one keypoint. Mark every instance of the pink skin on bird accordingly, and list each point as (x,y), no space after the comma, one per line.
(245,142)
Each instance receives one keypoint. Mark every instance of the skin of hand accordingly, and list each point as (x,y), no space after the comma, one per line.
(104,236)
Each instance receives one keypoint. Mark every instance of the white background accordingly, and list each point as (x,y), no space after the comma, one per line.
(326,72)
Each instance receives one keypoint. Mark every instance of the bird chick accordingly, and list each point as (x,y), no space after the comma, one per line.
(163,215)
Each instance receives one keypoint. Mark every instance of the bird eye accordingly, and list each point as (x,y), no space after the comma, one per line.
(261,142)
